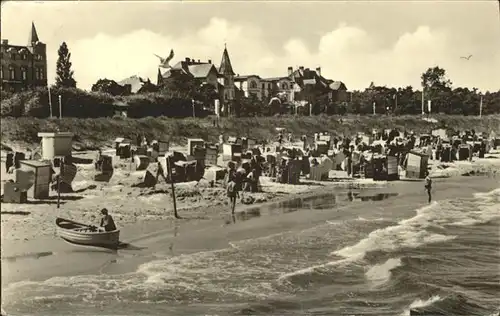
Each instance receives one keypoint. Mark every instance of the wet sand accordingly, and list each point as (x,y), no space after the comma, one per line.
(48,256)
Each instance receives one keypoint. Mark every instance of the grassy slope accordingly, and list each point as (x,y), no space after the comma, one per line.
(103,131)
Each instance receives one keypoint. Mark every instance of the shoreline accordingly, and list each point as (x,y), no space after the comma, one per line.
(146,220)
(130,204)
(153,240)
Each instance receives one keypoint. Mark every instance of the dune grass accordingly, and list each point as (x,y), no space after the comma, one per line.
(98,132)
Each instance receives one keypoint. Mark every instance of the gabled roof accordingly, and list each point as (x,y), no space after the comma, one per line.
(173,70)
(33,38)
(135,82)
(311,77)
(201,70)
(225,65)
(177,65)
(337,85)
(197,70)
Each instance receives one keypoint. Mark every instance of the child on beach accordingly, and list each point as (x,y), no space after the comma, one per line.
(428,185)
(232,193)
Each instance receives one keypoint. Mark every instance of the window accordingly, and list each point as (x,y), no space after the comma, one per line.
(1,73)
(24,74)
(284,86)
(12,73)
(23,56)
(253,85)
(39,73)
(263,86)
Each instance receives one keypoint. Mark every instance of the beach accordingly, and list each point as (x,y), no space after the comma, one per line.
(175,267)
(267,253)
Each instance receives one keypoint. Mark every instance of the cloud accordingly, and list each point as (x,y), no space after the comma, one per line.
(347,53)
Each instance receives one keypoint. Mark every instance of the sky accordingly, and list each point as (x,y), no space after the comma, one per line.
(389,43)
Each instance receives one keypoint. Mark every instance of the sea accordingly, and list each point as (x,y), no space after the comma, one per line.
(441,258)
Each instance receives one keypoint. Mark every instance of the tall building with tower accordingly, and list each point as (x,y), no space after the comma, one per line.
(23,67)
(205,72)
(227,73)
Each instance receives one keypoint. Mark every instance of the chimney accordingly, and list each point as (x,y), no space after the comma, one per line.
(318,71)
(301,68)
(5,42)
(198,60)
(290,71)
(209,61)
(187,59)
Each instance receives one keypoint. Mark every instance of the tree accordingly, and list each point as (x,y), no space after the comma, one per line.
(64,74)
(437,88)
(109,86)
(179,85)
(206,94)
(148,87)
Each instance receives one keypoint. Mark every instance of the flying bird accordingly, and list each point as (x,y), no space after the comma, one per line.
(467,58)
(164,62)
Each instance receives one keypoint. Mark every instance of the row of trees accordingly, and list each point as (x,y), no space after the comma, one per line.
(175,98)
(396,101)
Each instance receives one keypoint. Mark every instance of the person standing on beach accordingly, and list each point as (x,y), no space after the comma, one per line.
(428,185)
(232,193)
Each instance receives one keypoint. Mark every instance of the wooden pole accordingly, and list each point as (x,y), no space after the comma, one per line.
(60,107)
(481,107)
(423,100)
(50,102)
(173,187)
(59,183)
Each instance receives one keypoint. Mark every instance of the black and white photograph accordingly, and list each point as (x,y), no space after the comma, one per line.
(223,158)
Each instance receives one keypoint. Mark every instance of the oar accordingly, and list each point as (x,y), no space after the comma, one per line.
(77,223)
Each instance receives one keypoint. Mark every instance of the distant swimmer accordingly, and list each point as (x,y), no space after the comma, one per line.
(428,185)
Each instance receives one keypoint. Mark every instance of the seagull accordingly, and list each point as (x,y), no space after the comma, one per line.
(164,61)
(467,58)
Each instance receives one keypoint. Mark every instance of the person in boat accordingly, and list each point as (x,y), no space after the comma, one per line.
(107,221)
(428,185)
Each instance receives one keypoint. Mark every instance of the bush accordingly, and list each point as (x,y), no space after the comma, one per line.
(82,104)
(103,131)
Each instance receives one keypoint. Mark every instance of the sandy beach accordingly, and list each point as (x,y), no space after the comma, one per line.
(130,204)
(195,200)
(32,251)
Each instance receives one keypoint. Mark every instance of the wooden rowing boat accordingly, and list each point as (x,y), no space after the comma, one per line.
(86,235)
